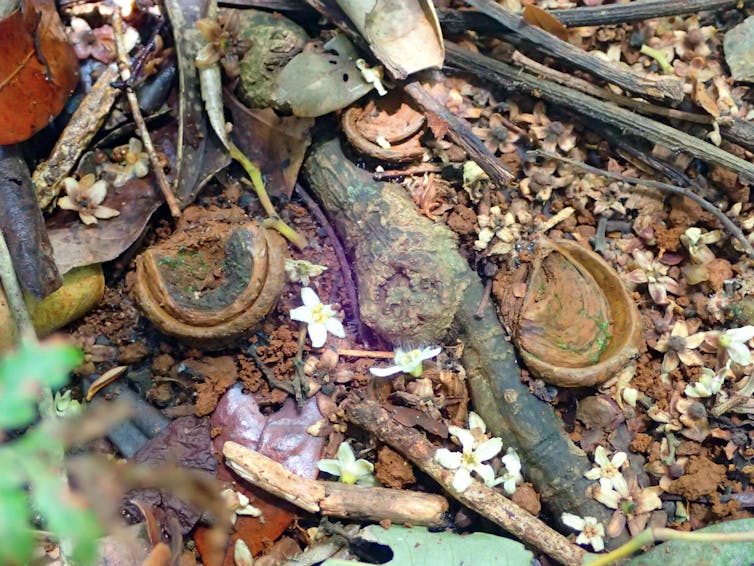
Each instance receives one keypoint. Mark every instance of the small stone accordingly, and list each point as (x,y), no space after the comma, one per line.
(739,50)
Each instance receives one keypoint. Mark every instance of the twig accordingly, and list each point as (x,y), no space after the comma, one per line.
(486,501)
(334,498)
(268,374)
(408,171)
(638,10)
(729,225)
(738,398)
(603,93)
(460,132)
(345,268)
(365,354)
(133,102)
(14,296)
(661,89)
(514,79)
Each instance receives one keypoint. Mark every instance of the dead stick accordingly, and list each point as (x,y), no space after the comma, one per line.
(14,295)
(133,102)
(661,88)
(603,93)
(514,79)
(485,501)
(460,132)
(709,207)
(334,498)
(638,10)
(364,353)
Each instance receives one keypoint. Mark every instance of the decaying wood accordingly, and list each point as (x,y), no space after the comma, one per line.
(513,79)
(407,268)
(334,498)
(638,10)
(460,132)
(488,502)
(81,129)
(740,132)
(22,224)
(660,89)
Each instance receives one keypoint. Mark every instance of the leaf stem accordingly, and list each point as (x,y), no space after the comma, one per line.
(257,183)
(15,296)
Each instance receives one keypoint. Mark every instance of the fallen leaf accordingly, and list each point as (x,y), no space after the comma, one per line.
(545,20)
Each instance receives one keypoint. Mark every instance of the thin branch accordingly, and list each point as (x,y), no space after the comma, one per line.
(460,132)
(664,88)
(133,102)
(513,79)
(603,93)
(14,295)
(638,10)
(727,223)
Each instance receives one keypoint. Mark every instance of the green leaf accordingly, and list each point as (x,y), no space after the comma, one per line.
(25,372)
(685,553)
(66,516)
(17,538)
(418,547)
(315,84)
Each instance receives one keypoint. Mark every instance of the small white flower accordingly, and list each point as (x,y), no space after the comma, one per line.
(239,504)
(471,459)
(734,341)
(320,319)
(512,476)
(608,471)
(590,530)
(630,396)
(407,361)
(300,270)
(709,384)
(348,468)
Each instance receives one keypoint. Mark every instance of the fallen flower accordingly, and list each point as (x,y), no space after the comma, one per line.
(87,42)
(409,362)
(348,468)
(709,384)
(652,272)
(85,196)
(590,530)
(512,476)
(319,318)
(239,504)
(132,162)
(224,44)
(608,471)
(471,459)
(632,506)
(734,342)
(300,270)
(679,347)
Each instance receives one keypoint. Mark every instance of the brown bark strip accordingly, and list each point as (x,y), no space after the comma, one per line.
(487,502)
(333,498)
(460,132)
(512,79)
(638,10)
(23,226)
(660,89)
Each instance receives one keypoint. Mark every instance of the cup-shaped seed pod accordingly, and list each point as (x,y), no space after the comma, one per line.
(213,280)
(571,316)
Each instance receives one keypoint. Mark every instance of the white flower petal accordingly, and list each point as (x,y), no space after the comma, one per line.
(608,497)
(384,372)
(428,353)
(448,459)
(461,480)
(335,327)
(593,474)
(620,485)
(317,333)
(512,463)
(488,449)
(618,459)
(485,472)
(302,314)
(573,521)
(97,192)
(743,334)
(329,466)
(464,437)
(509,485)
(105,212)
(600,456)
(346,456)
(310,297)
(739,353)
(67,203)
(361,468)
(475,421)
